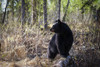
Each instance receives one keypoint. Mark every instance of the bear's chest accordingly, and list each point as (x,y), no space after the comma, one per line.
(60,39)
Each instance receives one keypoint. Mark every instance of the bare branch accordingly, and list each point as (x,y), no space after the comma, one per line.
(63,20)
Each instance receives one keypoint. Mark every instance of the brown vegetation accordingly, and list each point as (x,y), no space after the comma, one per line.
(31,51)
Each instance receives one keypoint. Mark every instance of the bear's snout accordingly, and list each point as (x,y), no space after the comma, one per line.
(52,30)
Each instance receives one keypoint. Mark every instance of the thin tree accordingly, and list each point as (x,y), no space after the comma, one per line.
(23,17)
(12,6)
(31,11)
(23,12)
(45,13)
(34,11)
(64,17)
(59,6)
(3,20)
(82,11)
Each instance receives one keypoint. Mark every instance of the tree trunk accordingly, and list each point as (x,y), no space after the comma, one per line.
(23,12)
(45,14)
(13,10)
(59,6)
(23,18)
(82,12)
(3,20)
(64,17)
(98,15)
(32,12)
(7,13)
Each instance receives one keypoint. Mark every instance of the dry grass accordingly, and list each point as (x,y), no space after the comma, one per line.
(29,48)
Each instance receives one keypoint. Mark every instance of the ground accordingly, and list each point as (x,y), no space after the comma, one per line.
(31,49)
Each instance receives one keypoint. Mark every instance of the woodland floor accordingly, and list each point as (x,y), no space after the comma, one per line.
(29,49)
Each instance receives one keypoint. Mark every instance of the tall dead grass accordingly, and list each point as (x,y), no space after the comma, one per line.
(29,47)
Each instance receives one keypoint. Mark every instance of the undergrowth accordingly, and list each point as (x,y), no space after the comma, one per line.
(27,45)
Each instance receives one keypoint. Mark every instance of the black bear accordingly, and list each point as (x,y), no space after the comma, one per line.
(61,41)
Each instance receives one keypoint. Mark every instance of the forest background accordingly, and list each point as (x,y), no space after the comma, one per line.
(25,35)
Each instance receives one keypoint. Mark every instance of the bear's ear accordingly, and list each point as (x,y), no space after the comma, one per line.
(59,21)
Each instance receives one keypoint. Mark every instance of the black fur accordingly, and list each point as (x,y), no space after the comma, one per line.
(61,41)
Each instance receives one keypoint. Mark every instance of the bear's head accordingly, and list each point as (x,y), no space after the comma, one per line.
(58,27)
